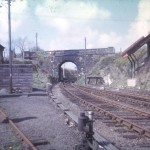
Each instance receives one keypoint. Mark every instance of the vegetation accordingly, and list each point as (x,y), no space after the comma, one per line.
(116,69)
(11,147)
(42,66)
(21,61)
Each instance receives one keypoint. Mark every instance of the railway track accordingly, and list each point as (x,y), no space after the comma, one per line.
(112,101)
(138,94)
(135,119)
(140,102)
(23,137)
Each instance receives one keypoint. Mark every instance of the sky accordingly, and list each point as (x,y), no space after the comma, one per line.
(64,24)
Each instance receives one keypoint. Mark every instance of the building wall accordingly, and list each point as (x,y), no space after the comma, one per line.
(21,77)
(1,54)
(1,57)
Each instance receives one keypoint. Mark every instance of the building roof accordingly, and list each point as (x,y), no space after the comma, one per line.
(136,45)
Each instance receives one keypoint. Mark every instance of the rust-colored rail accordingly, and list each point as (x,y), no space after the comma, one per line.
(136,95)
(117,118)
(138,111)
(117,95)
(23,137)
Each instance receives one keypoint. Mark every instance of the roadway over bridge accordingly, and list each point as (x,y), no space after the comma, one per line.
(84,59)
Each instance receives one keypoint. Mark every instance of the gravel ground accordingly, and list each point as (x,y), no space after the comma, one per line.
(8,138)
(124,140)
(41,121)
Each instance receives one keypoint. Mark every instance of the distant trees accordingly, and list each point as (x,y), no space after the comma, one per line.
(35,49)
(23,44)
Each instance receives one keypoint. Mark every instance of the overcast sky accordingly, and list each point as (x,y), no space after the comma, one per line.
(63,24)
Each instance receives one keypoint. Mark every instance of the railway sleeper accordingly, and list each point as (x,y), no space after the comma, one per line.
(120,121)
(40,142)
(136,118)
(101,118)
(121,130)
(147,134)
(129,125)
(134,127)
(119,125)
(130,136)
(145,123)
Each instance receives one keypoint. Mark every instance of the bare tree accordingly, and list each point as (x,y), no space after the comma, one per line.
(21,45)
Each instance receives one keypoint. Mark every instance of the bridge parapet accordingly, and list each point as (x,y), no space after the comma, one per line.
(73,52)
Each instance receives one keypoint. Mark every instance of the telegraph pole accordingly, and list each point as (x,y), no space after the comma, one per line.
(36,38)
(85,60)
(85,43)
(10,52)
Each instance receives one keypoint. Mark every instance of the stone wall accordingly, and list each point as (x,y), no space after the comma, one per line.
(21,77)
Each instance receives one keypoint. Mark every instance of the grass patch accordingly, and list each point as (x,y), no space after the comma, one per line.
(12,147)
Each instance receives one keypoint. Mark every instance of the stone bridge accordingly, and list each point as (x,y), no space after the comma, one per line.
(84,59)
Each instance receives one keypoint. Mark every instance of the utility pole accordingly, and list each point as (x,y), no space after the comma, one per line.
(36,38)
(10,52)
(85,43)
(85,60)
(64,71)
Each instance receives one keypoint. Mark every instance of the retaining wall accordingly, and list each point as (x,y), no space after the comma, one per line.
(21,77)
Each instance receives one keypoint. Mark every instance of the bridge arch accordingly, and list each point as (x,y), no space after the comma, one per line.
(60,68)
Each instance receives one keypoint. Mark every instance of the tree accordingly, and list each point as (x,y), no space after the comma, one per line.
(35,49)
(21,45)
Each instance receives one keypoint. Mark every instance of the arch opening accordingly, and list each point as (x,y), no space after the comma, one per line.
(68,72)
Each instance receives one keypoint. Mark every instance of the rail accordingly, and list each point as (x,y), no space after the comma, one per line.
(121,120)
(21,134)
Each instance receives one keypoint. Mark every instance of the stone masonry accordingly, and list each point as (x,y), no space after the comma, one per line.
(21,77)
(84,59)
